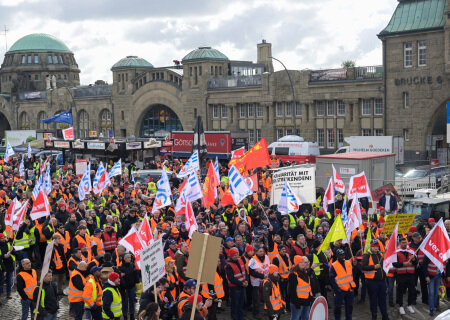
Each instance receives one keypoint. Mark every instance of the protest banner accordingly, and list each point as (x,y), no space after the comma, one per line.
(204,252)
(45,268)
(302,180)
(152,264)
(405,220)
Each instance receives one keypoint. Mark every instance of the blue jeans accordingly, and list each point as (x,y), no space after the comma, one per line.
(390,285)
(27,308)
(50,317)
(433,291)
(128,301)
(237,299)
(9,283)
(300,314)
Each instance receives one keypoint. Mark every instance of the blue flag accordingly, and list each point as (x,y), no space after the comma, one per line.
(63,117)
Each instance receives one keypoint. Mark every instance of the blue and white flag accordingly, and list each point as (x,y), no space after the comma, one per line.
(344,214)
(8,152)
(289,201)
(116,169)
(85,184)
(29,151)
(163,193)
(22,168)
(96,184)
(37,187)
(216,169)
(193,189)
(192,165)
(238,188)
(47,181)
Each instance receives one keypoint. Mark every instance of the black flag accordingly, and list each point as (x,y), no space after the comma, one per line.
(199,143)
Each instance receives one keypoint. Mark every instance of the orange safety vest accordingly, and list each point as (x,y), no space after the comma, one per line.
(238,219)
(370,274)
(75,295)
(274,163)
(86,242)
(275,297)
(30,282)
(87,292)
(65,240)
(274,253)
(172,281)
(344,277)
(57,260)
(118,262)
(42,237)
(100,249)
(9,232)
(218,288)
(283,269)
(182,300)
(72,259)
(303,288)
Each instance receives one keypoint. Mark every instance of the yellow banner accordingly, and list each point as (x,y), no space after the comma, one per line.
(405,220)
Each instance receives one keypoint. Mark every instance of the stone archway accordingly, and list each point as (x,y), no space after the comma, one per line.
(4,125)
(157,120)
(436,137)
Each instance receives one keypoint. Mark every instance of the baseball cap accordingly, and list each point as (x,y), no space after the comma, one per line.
(340,251)
(229,239)
(97,230)
(95,269)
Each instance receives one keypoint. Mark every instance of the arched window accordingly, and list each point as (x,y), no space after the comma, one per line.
(105,122)
(83,124)
(41,116)
(24,121)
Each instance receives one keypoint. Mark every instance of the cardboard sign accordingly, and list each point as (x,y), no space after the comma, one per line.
(405,220)
(80,167)
(152,264)
(47,259)
(210,260)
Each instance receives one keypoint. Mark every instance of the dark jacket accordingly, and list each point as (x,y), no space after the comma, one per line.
(60,249)
(267,292)
(377,259)
(131,277)
(20,284)
(230,273)
(107,299)
(187,310)
(8,263)
(392,202)
(294,299)
(50,296)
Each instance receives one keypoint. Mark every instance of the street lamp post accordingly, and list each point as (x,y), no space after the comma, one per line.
(293,95)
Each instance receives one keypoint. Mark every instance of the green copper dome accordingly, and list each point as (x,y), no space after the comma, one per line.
(39,42)
(131,62)
(204,53)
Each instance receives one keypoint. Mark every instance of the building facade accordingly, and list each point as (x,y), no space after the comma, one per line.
(405,96)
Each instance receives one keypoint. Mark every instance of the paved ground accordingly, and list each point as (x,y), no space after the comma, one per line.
(11,310)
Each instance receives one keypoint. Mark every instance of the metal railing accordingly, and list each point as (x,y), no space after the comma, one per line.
(254,81)
(352,74)
(93,91)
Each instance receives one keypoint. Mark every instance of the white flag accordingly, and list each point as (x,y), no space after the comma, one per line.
(99,179)
(193,188)
(22,167)
(353,219)
(289,202)
(238,188)
(37,187)
(47,181)
(163,193)
(85,184)
(192,165)
(29,151)
(8,152)
(116,169)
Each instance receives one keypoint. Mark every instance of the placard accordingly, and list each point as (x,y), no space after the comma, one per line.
(61,144)
(152,264)
(405,221)
(96,145)
(77,144)
(133,145)
(302,180)
(47,259)
(80,166)
(152,144)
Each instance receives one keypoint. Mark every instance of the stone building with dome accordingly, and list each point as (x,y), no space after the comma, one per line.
(405,96)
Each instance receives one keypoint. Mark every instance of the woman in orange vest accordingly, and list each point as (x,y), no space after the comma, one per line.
(172,277)
(59,262)
(273,303)
(300,289)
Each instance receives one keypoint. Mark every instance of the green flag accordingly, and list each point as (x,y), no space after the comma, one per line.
(368,240)
(337,232)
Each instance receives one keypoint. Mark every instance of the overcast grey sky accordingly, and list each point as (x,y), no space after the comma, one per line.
(304,34)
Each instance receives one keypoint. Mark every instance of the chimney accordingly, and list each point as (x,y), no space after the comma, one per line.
(264,52)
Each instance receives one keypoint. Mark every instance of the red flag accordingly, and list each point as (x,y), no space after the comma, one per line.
(358,185)
(328,197)
(191,223)
(10,212)
(41,207)
(436,245)
(145,232)
(209,194)
(390,255)
(236,154)
(20,216)
(227,199)
(252,182)
(132,242)
(257,156)
(338,183)
(68,133)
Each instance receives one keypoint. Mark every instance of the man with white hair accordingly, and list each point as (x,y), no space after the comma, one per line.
(26,283)
(76,287)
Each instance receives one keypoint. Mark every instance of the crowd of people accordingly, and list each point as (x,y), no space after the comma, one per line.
(270,264)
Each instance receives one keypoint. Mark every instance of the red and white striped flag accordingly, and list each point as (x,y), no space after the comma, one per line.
(390,255)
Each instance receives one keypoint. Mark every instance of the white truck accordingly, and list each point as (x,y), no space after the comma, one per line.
(384,144)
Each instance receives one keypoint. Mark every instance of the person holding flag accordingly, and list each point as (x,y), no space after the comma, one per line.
(372,266)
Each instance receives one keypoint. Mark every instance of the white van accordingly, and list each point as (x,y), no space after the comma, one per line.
(294,148)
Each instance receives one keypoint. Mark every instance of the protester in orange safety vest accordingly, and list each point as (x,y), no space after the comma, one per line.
(273,302)
(77,283)
(92,294)
(215,292)
(300,289)
(284,265)
(26,283)
(237,282)
(59,263)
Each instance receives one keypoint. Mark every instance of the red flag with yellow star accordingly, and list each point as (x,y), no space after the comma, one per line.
(256,157)
(209,193)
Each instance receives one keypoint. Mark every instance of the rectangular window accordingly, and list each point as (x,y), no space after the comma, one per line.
(422,53)
(340,108)
(122,115)
(215,111)
(319,108)
(279,133)
(288,132)
(29,59)
(365,132)
(279,109)
(340,137)
(407,54)
(50,59)
(288,109)
(378,132)
(405,100)
(406,134)
(23,59)
(378,106)
(242,111)
(61,61)
(55,59)
(36,77)
(200,70)
(251,113)
(330,108)
(224,111)
(251,137)
(298,109)
(259,111)
(258,134)
(36,58)
(320,138)
(330,138)
(366,107)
